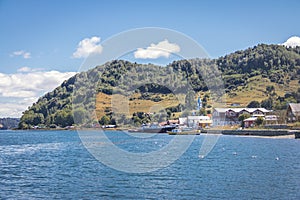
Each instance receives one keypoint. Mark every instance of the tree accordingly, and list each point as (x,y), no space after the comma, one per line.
(137,121)
(270,88)
(253,104)
(203,112)
(259,121)
(80,115)
(190,101)
(267,103)
(63,118)
(38,118)
(113,121)
(23,125)
(104,120)
(242,117)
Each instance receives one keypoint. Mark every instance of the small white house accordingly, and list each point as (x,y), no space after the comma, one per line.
(183,121)
(271,119)
(195,121)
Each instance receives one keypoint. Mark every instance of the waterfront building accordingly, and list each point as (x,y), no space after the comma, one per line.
(293,112)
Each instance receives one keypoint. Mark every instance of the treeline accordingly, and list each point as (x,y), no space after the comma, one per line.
(275,102)
(9,123)
(278,63)
(73,102)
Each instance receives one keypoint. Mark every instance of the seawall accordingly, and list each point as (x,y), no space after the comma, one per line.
(261,132)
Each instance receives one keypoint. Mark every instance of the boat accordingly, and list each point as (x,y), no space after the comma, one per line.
(297,134)
(184,131)
(153,128)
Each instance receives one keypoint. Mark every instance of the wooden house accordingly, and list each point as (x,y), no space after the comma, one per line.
(293,112)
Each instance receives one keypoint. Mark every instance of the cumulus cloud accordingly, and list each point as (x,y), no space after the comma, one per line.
(88,46)
(292,42)
(21,53)
(20,90)
(28,69)
(161,49)
(12,109)
(24,69)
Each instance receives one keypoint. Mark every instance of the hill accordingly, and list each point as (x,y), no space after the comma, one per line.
(124,92)
(9,123)
(262,72)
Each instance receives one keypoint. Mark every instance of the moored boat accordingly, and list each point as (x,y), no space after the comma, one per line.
(184,131)
(154,129)
(297,135)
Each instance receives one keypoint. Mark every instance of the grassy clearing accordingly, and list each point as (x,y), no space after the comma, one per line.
(120,104)
(256,90)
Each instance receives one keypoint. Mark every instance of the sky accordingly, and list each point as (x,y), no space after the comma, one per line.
(45,42)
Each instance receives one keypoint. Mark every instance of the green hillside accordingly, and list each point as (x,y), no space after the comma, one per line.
(120,91)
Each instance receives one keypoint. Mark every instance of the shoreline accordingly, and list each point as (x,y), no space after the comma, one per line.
(266,137)
(273,133)
(258,133)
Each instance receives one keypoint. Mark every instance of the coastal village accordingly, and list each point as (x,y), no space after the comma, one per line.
(152,98)
(233,120)
(231,116)
(260,121)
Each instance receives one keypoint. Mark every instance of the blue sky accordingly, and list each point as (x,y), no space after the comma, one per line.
(50,30)
(42,36)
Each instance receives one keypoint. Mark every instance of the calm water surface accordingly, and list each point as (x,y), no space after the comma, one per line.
(55,165)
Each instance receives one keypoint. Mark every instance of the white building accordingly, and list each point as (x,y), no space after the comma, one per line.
(195,121)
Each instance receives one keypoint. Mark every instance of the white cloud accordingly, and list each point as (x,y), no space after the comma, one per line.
(20,90)
(24,69)
(12,109)
(88,46)
(28,69)
(292,42)
(26,55)
(161,49)
(22,53)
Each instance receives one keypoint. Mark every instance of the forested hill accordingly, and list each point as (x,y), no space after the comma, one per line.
(276,62)
(273,66)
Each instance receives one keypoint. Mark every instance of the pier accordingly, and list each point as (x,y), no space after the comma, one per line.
(268,133)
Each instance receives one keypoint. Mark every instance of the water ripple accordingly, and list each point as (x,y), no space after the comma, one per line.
(55,165)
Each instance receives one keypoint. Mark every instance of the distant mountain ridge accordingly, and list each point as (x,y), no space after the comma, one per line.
(9,123)
(246,72)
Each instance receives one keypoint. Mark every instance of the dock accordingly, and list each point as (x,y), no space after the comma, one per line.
(264,132)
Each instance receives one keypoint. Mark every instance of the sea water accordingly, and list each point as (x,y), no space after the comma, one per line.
(56,165)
